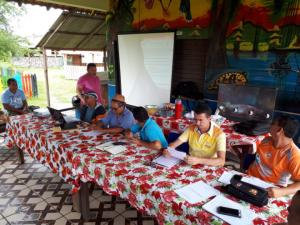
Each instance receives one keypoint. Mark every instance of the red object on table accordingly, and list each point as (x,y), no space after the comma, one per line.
(178,109)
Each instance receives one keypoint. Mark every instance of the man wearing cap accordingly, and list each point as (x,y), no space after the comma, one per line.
(118,119)
(92,111)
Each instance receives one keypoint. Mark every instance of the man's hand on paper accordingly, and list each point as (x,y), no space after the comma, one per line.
(191,160)
(96,127)
(136,141)
(274,192)
(128,134)
(166,153)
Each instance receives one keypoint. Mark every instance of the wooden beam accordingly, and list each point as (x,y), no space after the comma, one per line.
(73,33)
(56,29)
(86,39)
(96,5)
(46,76)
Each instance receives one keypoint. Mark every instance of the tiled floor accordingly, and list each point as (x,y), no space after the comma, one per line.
(31,194)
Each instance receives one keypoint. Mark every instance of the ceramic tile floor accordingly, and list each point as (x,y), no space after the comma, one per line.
(31,194)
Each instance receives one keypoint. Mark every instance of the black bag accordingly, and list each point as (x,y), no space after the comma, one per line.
(252,128)
(76,101)
(187,89)
(247,192)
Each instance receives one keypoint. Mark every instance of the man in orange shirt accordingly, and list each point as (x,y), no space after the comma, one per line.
(278,158)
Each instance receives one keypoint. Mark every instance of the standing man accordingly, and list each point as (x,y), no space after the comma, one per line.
(13,99)
(89,82)
(118,119)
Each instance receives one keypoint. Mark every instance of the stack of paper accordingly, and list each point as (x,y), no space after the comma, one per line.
(166,161)
(176,154)
(197,192)
(247,215)
(257,182)
(226,177)
(93,133)
(111,148)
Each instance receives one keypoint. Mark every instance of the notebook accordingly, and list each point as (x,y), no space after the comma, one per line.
(167,162)
(247,215)
(197,192)
(111,148)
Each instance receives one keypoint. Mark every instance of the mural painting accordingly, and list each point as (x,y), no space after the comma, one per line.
(253,42)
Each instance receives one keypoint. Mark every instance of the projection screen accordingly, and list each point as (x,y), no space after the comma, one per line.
(146,62)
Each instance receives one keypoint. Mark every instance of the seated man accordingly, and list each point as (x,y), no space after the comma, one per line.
(278,158)
(150,133)
(207,142)
(13,99)
(118,119)
(92,111)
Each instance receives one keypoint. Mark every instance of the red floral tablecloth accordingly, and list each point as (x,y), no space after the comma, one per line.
(150,189)
(73,155)
(170,124)
(35,136)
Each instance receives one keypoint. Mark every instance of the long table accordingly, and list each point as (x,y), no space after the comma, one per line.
(150,188)
(130,175)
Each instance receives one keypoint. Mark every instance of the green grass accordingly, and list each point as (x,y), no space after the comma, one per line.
(61,89)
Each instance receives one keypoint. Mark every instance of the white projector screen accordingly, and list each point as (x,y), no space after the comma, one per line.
(146,62)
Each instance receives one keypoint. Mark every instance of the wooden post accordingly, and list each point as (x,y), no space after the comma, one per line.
(81,201)
(105,59)
(46,76)
(20,155)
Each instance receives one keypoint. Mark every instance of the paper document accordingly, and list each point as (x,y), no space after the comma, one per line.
(176,154)
(92,133)
(227,175)
(257,182)
(166,161)
(104,145)
(70,119)
(247,215)
(116,149)
(197,192)
(111,148)
(41,112)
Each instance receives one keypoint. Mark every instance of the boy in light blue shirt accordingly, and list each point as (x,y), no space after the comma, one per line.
(13,99)
(151,135)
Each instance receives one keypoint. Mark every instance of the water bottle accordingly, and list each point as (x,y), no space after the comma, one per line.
(178,108)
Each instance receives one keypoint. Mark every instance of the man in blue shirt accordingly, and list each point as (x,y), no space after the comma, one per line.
(13,99)
(151,135)
(118,119)
(92,111)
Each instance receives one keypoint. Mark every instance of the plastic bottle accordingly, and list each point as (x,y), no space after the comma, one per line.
(178,108)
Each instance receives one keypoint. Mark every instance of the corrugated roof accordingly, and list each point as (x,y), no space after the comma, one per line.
(78,6)
(76,31)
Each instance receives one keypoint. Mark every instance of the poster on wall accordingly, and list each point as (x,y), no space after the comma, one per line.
(146,63)
(261,48)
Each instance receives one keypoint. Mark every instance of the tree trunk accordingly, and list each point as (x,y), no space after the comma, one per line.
(221,15)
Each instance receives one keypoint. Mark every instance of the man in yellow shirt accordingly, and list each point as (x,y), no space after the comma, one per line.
(207,142)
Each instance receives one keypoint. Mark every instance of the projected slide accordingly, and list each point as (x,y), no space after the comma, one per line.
(146,62)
